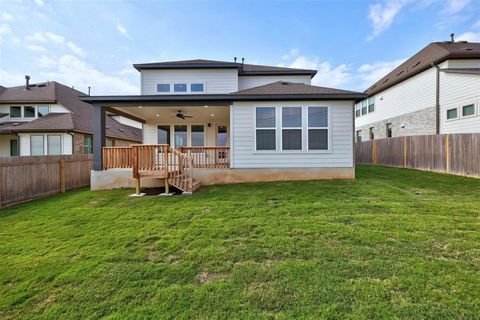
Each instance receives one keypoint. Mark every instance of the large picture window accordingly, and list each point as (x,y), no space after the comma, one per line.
(318,128)
(180,136)
(265,131)
(164,134)
(198,135)
(37,146)
(291,128)
(54,145)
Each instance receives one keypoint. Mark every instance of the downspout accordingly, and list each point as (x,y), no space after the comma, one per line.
(437,99)
(73,141)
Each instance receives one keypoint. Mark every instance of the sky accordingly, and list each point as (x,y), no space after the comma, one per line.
(352,44)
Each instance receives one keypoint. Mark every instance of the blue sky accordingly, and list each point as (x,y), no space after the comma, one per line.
(90,43)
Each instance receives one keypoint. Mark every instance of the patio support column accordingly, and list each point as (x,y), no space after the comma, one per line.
(98,136)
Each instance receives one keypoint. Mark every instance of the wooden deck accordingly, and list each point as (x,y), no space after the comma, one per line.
(164,162)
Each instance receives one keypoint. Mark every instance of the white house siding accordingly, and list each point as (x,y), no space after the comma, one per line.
(414,94)
(215,80)
(457,90)
(24,141)
(5,144)
(247,82)
(341,139)
(128,122)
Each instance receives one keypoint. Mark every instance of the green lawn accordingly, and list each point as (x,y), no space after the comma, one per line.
(392,244)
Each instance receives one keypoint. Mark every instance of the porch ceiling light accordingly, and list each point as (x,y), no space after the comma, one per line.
(140,107)
(212,115)
(157,115)
(206,106)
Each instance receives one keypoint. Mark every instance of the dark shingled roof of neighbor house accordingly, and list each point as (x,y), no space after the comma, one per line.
(80,119)
(434,53)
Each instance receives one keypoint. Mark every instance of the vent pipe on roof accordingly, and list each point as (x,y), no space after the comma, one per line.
(235,59)
(88,90)
(243,60)
(27,82)
(452,36)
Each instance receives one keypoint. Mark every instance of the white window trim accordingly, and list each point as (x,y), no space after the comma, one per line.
(278,130)
(302,131)
(188,84)
(452,119)
(475,110)
(22,111)
(61,144)
(189,132)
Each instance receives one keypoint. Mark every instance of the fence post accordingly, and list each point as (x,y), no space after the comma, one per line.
(62,176)
(404,151)
(374,152)
(2,180)
(447,154)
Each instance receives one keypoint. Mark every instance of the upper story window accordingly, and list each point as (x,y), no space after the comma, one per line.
(452,113)
(371,104)
(163,87)
(468,110)
(197,87)
(28,112)
(364,107)
(180,87)
(358,110)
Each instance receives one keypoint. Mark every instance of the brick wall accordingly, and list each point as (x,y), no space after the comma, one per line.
(124,143)
(410,124)
(78,144)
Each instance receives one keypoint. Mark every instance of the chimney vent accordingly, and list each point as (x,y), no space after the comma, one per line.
(88,90)
(452,36)
(235,59)
(27,82)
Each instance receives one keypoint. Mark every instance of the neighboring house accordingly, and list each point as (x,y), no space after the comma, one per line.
(270,123)
(50,119)
(435,91)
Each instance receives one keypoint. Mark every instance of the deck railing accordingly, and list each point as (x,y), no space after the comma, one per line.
(117,157)
(180,170)
(150,160)
(208,157)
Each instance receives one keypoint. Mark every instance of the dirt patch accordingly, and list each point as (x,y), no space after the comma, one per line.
(152,255)
(206,277)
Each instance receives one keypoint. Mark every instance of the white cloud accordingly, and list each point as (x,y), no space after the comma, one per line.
(371,73)
(382,15)
(5,16)
(469,36)
(46,37)
(455,6)
(122,30)
(476,25)
(54,37)
(75,49)
(292,54)
(4,30)
(39,2)
(327,74)
(70,70)
(36,48)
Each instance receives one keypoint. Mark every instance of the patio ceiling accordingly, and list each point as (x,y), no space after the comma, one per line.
(201,114)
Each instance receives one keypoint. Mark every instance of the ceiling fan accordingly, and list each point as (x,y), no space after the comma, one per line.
(182,116)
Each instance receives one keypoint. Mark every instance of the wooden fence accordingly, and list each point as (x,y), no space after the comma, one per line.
(27,178)
(448,153)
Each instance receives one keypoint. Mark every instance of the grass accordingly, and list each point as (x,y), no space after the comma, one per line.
(392,244)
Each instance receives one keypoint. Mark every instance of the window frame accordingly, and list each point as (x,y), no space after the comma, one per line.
(389,128)
(371,103)
(164,92)
(452,119)
(193,83)
(274,128)
(468,105)
(282,128)
(43,144)
(10,112)
(48,146)
(89,137)
(328,128)
(190,136)
(179,84)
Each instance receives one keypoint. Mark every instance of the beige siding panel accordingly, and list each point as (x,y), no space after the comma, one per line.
(247,82)
(215,80)
(340,155)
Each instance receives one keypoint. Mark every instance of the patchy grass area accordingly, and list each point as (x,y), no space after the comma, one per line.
(392,244)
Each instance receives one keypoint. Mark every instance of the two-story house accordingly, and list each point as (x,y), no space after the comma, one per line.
(50,119)
(236,122)
(435,91)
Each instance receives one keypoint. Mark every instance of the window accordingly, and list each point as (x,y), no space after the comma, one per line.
(371,133)
(15,112)
(364,107)
(358,110)
(265,128)
(468,110)
(198,135)
(452,114)
(291,128)
(196,87)
(37,146)
(163,87)
(163,133)
(317,128)
(222,136)
(29,112)
(110,143)
(42,111)
(14,148)
(87,145)
(180,87)
(358,136)
(180,136)
(371,104)
(389,130)
(54,146)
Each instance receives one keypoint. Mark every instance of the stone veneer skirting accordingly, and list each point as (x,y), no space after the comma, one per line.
(416,123)
(122,178)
